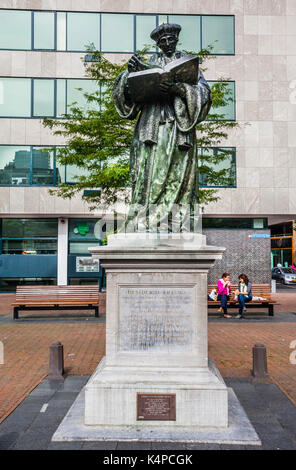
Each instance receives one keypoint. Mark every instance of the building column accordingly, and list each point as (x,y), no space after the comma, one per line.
(62,279)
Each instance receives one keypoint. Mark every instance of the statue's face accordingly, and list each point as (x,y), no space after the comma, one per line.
(168,44)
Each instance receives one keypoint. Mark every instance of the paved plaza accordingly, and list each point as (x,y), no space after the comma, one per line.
(24,388)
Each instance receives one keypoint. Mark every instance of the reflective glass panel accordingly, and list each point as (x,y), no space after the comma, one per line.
(15,163)
(75,90)
(144,25)
(29,247)
(43,97)
(22,228)
(189,37)
(9,284)
(61,97)
(117,33)
(81,247)
(227,112)
(73,171)
(43,30)
(15,31)
(82,228)
(42,165)
(83,29)
(218,31)
(61,31)
(15,97)
(219,160)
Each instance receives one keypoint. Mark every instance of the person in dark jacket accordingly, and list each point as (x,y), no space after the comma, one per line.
(244,293)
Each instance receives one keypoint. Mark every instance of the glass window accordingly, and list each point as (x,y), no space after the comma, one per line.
(15,31)
(22,228)
(61,31)
(43,97)
(44,30)
(29,247)
(15,163)
(221,161)
(81,248)
(228,223)
(81,229)
(189,37)
(9,284)
(218,31)
(83,29)
(227,111)
(61,97)
(73,171)
(75,90)
(144,25)
(42,165)
(83,281)
(117,32)
(15,97)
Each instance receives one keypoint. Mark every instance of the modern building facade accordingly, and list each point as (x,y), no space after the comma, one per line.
(41,46)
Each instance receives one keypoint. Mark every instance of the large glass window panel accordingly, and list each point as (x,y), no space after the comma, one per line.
(219,160)
(83,29)
(22,228)
(72,173)
(218,31)
(43,100)
(227,112)
(189,37)
(81,248)
(15,97)
(144,25)
(42,165)
(29,247)
(75,90)
(61,31)
(15,163)
(15,31)
(82,229)
(61,96)
(117,32)
(44,30)
(10,284)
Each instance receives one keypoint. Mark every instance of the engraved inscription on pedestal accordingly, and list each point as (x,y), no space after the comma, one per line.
(156,406)
(156,318)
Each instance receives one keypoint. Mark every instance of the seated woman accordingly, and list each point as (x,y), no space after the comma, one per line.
(224,293)
(244,293)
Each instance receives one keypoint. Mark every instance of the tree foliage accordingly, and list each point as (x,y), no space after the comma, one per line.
(98,139)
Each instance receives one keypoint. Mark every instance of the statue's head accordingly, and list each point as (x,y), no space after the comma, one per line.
(166,37)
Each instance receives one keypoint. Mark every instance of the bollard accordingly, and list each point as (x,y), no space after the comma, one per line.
(259,372)
(56,361)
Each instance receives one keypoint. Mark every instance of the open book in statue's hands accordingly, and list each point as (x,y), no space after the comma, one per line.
(144,86)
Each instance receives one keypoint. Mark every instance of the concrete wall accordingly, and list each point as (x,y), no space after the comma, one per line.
(243,255)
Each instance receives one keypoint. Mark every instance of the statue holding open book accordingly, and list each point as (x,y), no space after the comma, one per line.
(170,96)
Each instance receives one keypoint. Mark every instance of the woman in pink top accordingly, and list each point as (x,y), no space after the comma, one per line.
(224,286)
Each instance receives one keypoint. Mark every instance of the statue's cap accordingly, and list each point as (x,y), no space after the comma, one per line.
(164,29)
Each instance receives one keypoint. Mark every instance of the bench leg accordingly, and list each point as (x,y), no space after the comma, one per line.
(15,313)
(270,310)
(97,312)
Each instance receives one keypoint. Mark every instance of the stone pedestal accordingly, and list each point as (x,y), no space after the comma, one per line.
(156,370)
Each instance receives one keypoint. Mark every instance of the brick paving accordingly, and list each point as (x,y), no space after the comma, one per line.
(26,349)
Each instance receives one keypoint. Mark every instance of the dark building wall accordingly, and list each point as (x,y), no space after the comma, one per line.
(243,255)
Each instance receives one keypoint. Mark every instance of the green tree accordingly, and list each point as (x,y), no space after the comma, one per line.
(98,139)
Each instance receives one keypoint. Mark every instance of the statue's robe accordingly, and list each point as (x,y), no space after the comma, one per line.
(163,156)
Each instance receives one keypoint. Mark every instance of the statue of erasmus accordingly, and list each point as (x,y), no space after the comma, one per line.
(163,155)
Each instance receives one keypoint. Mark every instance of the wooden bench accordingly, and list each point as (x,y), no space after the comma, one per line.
(56,298)
(258,290)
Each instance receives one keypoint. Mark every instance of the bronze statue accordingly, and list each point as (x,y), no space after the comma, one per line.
(163,155)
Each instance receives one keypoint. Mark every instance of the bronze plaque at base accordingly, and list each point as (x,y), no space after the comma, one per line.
(156,407)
